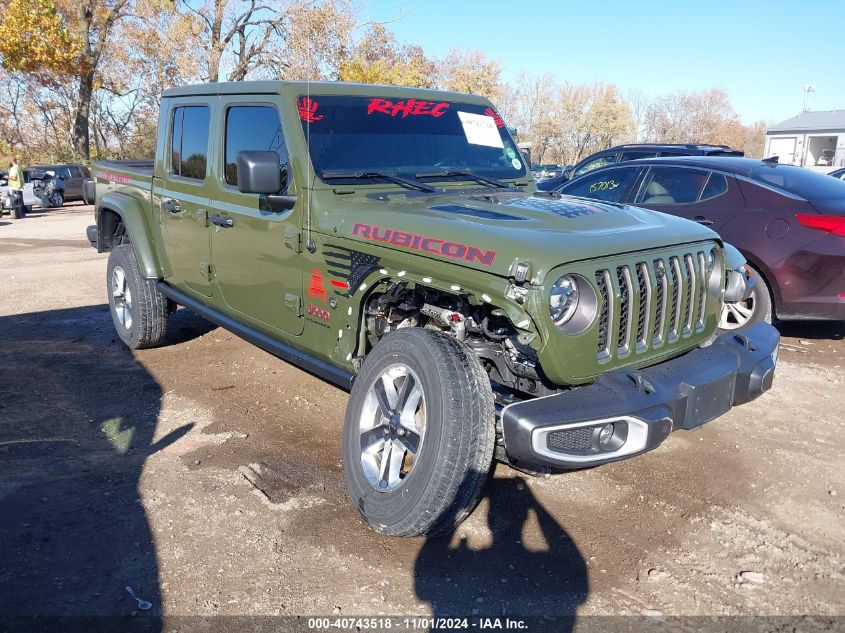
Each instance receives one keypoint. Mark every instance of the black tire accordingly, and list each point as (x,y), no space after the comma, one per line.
(148,312)
(456,451)
(57,199)
(759,304)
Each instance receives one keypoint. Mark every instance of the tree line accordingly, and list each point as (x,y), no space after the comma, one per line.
(81,79)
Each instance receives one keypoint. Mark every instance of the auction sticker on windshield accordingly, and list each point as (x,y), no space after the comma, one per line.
(480,129)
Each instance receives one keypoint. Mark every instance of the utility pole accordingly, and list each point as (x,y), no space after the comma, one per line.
(807,90)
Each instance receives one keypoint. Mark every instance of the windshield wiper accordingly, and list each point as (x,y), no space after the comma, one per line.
(367,175)
(465,174)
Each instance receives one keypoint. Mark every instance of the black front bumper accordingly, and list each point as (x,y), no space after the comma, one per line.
(643,406)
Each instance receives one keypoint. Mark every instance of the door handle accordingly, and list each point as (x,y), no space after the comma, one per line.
(702,220)
(172,205)
(222,221)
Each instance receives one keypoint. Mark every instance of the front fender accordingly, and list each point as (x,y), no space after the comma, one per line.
(136,218)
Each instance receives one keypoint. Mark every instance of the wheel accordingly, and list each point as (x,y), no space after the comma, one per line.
(419,433)
(758,307)
(138,309)
(57,199)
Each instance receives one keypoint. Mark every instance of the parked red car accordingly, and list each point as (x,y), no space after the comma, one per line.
(789,222)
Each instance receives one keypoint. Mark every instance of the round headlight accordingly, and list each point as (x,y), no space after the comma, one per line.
(563,300)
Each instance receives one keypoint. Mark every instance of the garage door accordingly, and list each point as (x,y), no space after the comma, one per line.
(784,148)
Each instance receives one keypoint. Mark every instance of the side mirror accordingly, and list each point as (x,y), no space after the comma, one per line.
(568,171)
(259,172)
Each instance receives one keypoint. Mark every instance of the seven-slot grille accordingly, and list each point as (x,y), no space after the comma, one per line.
(650,304)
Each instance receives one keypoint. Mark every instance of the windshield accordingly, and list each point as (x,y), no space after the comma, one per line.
(801,182)
(412,138)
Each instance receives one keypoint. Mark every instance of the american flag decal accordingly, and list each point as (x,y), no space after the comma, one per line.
(348,268)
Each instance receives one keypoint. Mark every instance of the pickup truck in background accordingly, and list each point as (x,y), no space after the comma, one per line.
(392,241)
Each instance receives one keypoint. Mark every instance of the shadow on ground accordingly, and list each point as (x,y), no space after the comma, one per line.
(833,330)
(531,568)
(77,417)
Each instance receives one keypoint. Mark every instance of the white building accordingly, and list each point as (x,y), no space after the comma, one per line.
(810,139)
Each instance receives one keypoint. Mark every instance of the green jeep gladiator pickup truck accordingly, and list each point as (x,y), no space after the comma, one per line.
(391,240)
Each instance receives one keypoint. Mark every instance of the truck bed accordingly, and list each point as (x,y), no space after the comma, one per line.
(140,166)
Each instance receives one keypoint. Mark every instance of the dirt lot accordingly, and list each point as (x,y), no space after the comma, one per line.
(206,476)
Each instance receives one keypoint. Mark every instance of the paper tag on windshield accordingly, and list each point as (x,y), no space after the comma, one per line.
(480,129)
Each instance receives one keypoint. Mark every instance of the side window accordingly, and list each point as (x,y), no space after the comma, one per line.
(600,161)
(672,185)
(607,185)
(64,172)
(636,155)
(252,128)
(189,142)
(716,186)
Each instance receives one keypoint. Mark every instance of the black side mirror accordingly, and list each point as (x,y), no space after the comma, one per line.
(259,172)
(568,171)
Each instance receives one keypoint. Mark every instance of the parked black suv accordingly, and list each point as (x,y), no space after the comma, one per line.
(633,151)
(73,174)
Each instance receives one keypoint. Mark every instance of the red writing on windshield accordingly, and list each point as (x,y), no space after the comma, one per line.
(308,109)
(409,107)
(492,113)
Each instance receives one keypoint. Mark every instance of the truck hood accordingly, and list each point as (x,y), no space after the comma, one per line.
(490,231)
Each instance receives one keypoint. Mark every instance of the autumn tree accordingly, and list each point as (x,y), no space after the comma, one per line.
(57,40)
(471,71)
(377,58)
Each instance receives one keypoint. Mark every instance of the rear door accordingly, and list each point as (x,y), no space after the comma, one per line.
(183,206)
(73,182)
(610,185)
(707,197)
(256,250)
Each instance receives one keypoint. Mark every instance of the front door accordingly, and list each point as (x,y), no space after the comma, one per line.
(183,199)
(255,250)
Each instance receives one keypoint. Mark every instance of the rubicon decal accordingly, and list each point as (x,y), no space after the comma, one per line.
(408,107)
(434,245)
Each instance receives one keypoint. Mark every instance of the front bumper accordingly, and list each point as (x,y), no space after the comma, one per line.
(643,406)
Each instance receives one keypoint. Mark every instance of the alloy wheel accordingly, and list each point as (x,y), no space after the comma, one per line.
(122,296)
(736,315)
(392,427)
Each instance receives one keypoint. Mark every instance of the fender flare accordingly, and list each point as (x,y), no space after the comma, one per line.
(135,218)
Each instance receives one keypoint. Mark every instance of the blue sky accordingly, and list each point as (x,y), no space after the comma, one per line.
(761,53)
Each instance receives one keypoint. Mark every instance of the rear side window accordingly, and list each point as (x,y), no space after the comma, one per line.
(716,186)
(252,128)
(636,155)
(671,185)
(800,182)
(189,142)
(597,162)
(607,185)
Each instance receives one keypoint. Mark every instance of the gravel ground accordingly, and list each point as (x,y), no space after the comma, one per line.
(206,476)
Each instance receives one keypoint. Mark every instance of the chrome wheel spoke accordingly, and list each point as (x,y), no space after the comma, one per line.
(410,441)
(371,437)
(382,396)
(394,469)
(383,471)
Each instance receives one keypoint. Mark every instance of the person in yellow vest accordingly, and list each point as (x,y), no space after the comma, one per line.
(16,187)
